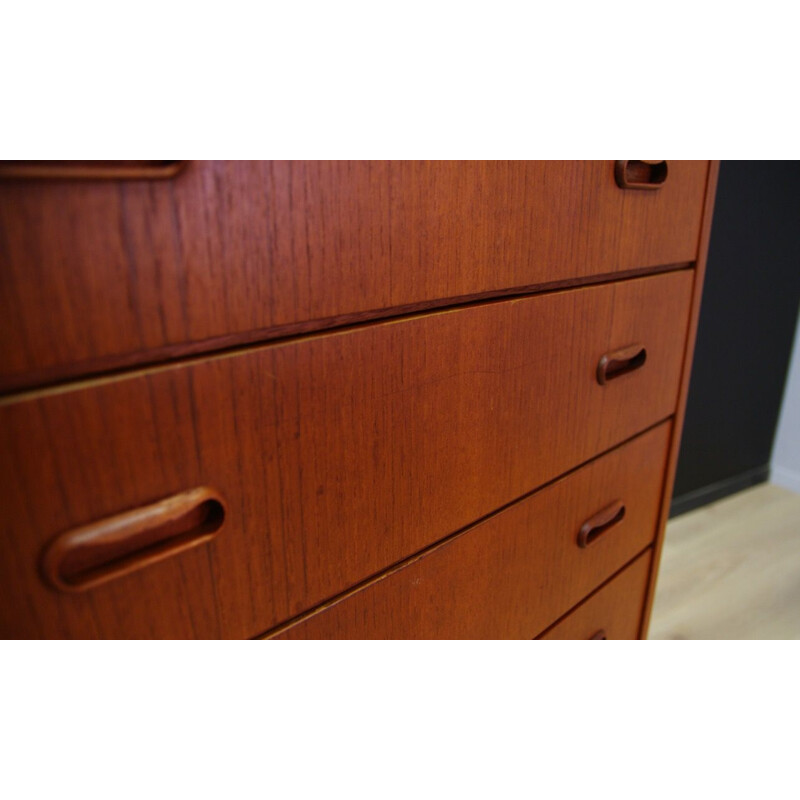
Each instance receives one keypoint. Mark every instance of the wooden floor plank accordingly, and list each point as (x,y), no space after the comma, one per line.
(731,570)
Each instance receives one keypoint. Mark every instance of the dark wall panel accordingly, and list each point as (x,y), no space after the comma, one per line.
(746,330)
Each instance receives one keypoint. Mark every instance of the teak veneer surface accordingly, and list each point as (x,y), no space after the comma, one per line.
(513,574)
(337,455)
(615,609)
(95,275)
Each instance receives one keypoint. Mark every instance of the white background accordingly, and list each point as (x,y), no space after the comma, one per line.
(398,80)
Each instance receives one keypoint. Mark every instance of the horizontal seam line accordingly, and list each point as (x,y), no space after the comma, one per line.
(594,591)
(375,316)
(408,560)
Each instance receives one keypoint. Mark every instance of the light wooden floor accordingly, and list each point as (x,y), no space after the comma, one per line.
(731,570)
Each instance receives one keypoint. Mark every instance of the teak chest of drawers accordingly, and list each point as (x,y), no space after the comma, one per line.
(336,399)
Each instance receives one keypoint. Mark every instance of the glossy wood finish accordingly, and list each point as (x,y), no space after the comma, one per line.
(99,275)
(338,455)
(615,609)
(512,575)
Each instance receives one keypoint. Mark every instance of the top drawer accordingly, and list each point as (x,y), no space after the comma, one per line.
(100,274)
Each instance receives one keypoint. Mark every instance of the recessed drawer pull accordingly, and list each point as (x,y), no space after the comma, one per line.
(640,174)
(620,362)
(602,521)
(601,634)
(109,548)
(90,170)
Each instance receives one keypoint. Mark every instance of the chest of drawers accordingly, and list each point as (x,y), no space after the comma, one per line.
(342,399)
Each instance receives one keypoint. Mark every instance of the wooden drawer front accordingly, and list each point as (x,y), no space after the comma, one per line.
(103,273)
(337,455)
(512,575)
(613,612)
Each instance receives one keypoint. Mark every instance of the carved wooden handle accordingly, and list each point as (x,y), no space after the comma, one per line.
(601,522)
(620,362)
(90,170)
(109,548)
(640,174)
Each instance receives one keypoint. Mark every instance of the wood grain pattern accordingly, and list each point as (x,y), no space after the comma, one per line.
(697,291)
(96,275)
(338,455)
(615,609)
(515,573)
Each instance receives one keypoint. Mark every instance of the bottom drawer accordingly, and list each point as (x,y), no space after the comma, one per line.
(516,572)
(613,612)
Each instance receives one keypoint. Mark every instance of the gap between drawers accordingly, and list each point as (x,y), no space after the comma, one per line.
(403,563)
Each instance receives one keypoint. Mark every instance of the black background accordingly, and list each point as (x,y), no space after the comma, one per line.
(745,334)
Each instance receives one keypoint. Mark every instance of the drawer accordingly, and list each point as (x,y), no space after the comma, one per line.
(613,612)
(336,455)
(102,274)
(512,575)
